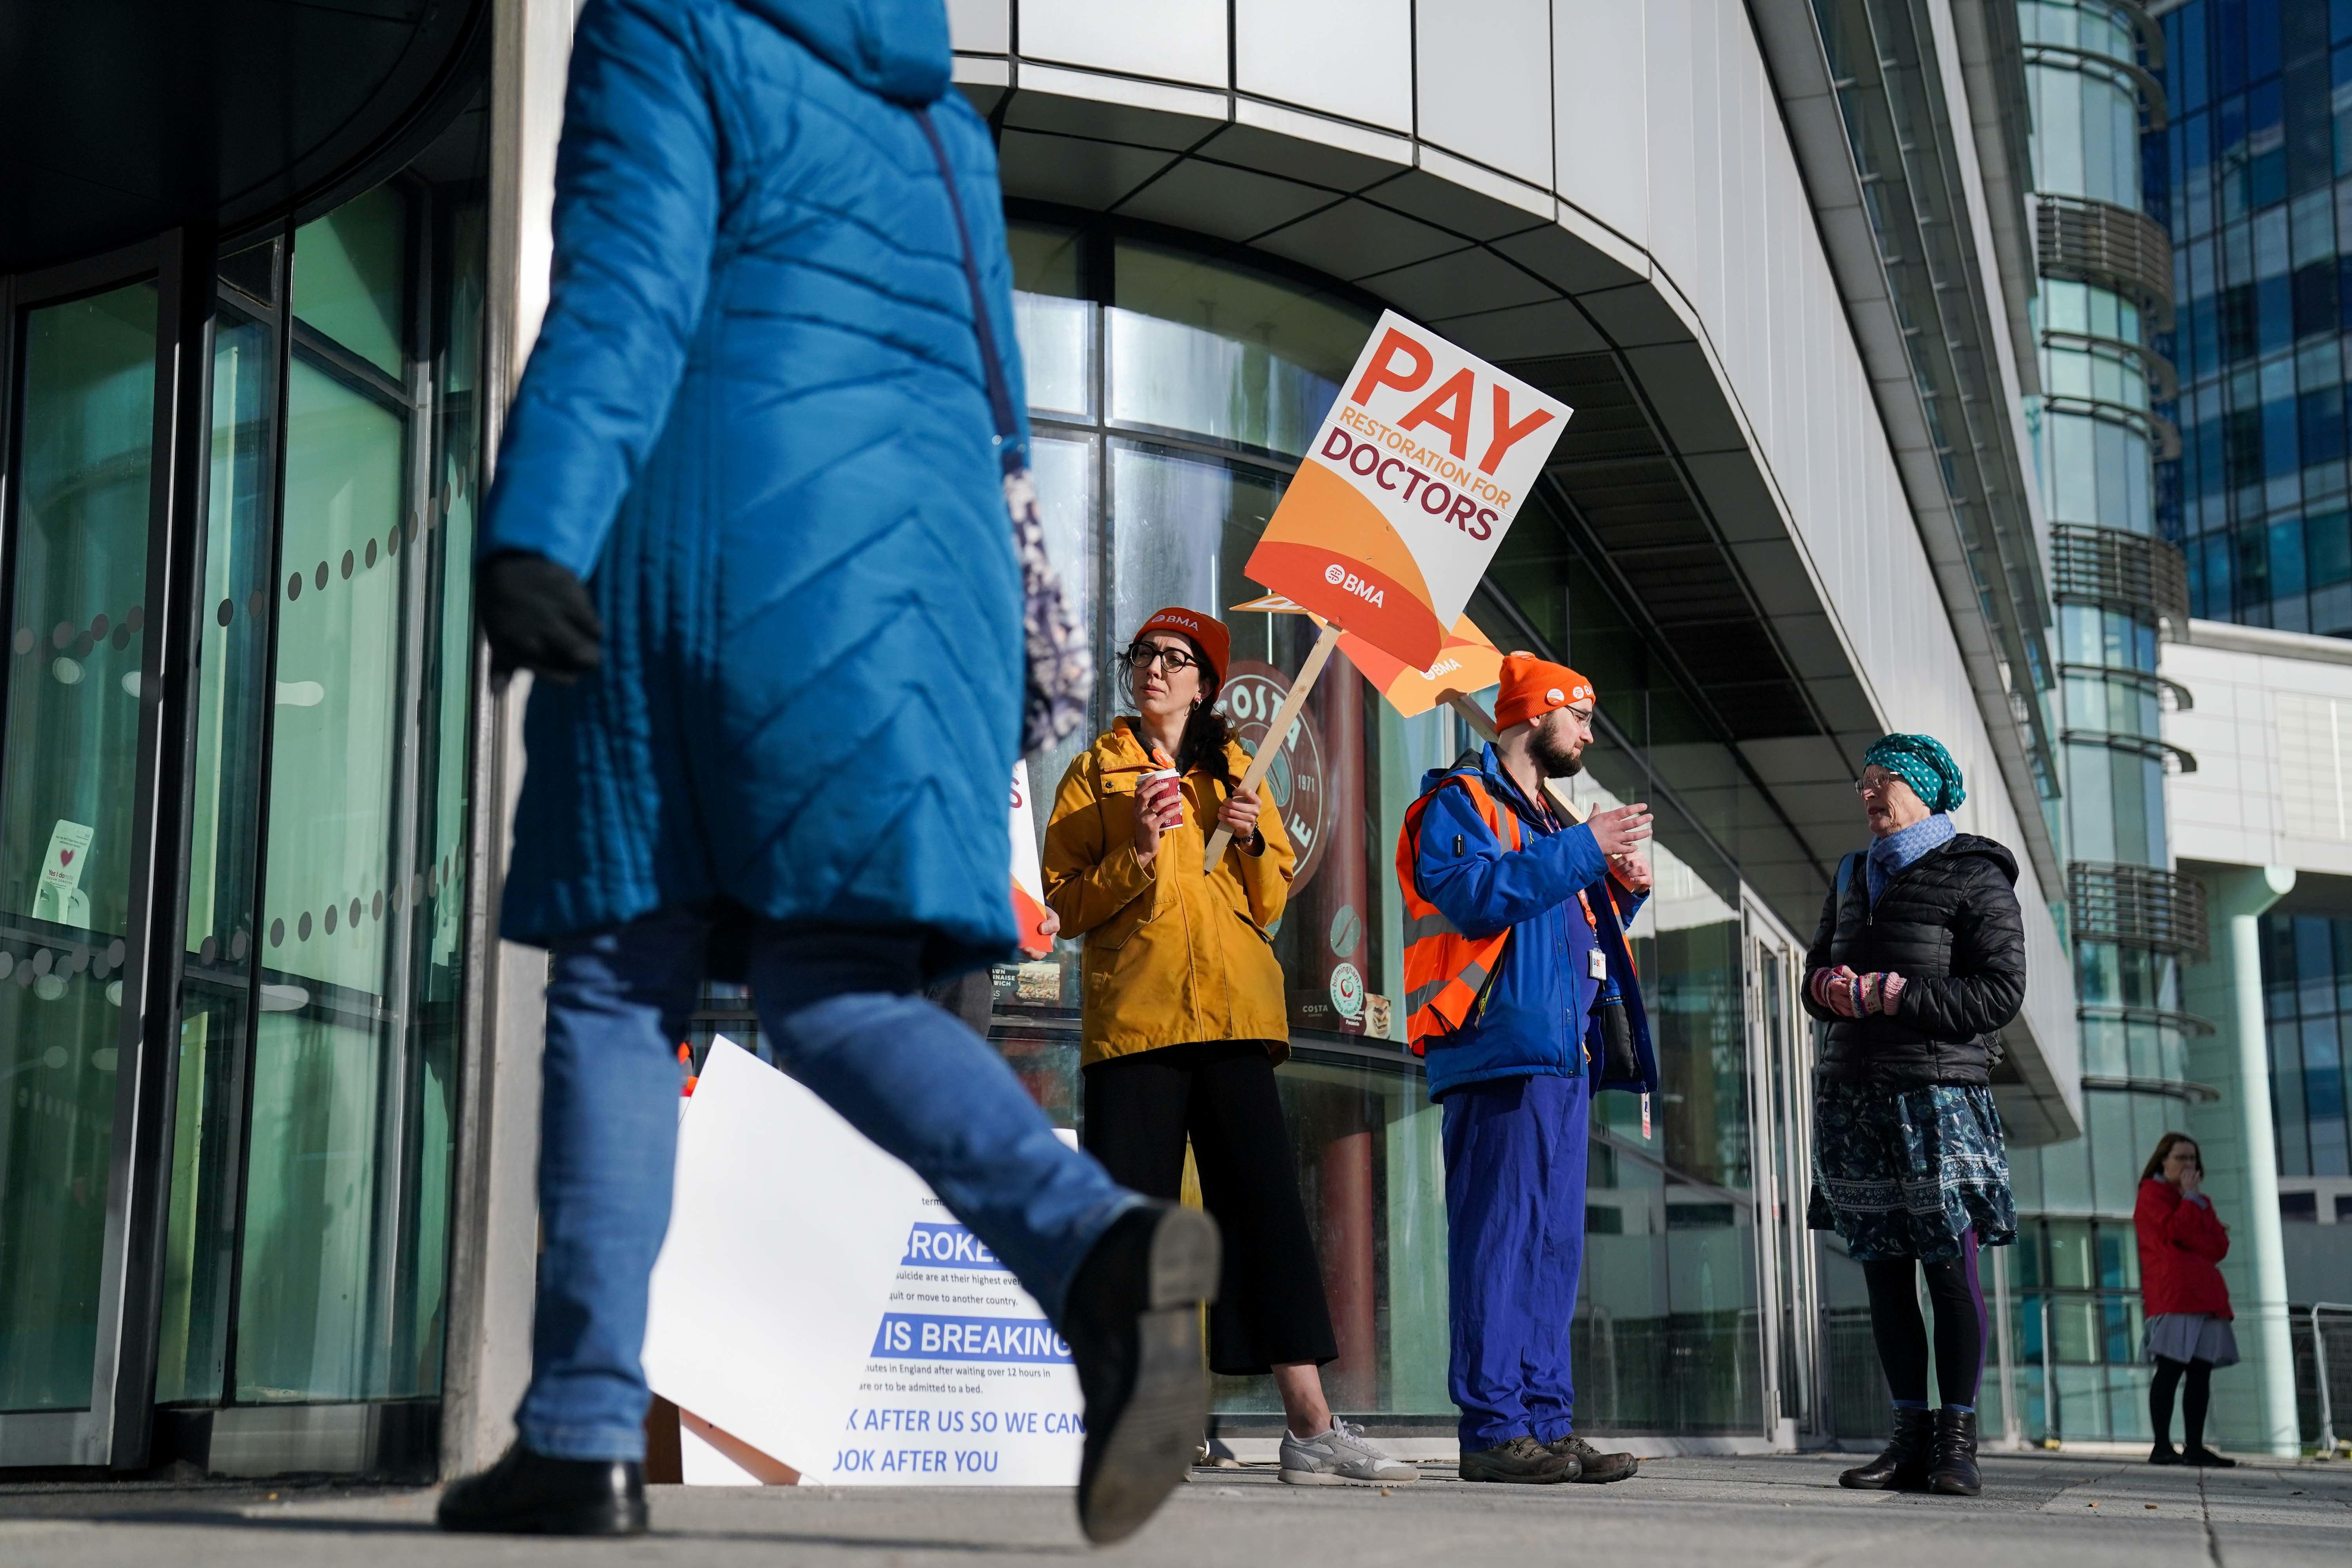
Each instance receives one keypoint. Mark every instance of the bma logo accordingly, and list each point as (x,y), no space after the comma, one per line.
(1338,576)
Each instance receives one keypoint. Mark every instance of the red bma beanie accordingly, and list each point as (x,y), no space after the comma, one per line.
(1533,687)
(1216,639)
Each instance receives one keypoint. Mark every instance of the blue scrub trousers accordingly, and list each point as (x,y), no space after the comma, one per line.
(1515,1159)
(837,1014)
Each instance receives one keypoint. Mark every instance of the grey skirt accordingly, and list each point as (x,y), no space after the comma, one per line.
(2190,1336)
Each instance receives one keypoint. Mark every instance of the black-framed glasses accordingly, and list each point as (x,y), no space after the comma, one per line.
(1174,660)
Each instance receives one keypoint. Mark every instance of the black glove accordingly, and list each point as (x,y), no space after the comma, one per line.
(538,617)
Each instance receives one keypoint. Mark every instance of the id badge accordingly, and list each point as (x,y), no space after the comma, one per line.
(1596,963)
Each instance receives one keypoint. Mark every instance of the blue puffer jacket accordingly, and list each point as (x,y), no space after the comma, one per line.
(756,422)
(1538,1017)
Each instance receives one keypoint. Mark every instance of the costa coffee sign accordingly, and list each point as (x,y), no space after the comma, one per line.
(1295,780)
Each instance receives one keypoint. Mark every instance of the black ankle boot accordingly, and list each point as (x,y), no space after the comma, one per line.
(1904,1465)
(1132,1316)
(1953,1470)
(530,1494)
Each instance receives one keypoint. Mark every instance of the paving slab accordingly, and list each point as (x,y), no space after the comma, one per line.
(1691,1512)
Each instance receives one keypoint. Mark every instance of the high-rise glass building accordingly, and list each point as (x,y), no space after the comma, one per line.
(2104,301)
(2242,176)
(2249,174)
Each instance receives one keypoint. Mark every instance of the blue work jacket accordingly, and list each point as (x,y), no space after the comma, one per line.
(757,424)
(1537,1018)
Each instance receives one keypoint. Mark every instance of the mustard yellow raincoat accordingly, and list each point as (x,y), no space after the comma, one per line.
(1171,956)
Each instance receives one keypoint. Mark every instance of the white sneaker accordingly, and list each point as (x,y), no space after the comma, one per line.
(1342,1456)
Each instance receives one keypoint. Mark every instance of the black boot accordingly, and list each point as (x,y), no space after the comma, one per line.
(530,1494)
(1953,1470)
(1133,1320)
(1904,1465)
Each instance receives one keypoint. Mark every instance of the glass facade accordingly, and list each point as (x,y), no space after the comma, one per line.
(2252,180)
(2308,1004)
(305,1207)
(2100,429)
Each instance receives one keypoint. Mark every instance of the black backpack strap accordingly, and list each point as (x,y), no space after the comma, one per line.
(1000,393)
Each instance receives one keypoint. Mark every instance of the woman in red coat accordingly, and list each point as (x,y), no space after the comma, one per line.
(2181,1245)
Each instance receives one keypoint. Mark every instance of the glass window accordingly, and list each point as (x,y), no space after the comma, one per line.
(1055,323)
(78,647)
(1211,349)
(351,280)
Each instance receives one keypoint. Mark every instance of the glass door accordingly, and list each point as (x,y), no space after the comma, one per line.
(81,427)
(1781,1039)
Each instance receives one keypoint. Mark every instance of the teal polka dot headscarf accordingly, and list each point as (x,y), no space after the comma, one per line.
(1921,761)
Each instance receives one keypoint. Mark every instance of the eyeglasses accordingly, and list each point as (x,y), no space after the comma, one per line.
(1581,715)
(1866,785)
(1174,660)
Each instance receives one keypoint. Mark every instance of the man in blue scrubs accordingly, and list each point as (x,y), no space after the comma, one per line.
(1519,922)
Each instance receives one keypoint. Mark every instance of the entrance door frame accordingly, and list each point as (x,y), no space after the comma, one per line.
(115,1428)
(1781,1111)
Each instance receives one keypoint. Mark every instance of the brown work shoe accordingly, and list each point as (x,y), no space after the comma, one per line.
(1591,1465)
(1522,1459)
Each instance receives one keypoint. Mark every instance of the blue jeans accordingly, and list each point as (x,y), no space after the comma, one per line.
(837,1010)
(1515,1156)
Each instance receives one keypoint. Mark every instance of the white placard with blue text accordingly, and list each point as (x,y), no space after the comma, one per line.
(814,1302)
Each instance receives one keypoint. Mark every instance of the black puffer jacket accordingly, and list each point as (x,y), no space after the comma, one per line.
(1947,924)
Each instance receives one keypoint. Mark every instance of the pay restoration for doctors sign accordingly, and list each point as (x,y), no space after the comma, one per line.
(1413,480)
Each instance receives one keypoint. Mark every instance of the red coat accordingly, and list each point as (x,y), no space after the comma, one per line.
(2181,1246)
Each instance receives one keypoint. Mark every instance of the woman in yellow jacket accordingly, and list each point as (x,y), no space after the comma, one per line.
(1184,1016)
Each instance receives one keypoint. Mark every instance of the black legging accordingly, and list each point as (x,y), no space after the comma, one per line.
(1902,1336)
(2192,1406)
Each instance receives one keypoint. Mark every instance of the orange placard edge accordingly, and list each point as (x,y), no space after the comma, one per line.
(763,1467)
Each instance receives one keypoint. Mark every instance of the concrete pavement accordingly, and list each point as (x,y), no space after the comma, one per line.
(1701,1512)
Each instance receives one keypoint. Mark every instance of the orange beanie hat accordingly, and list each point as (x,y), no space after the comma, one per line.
(1533,687)
(1215,639)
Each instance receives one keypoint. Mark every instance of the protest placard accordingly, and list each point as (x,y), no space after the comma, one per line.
(1414,478)
(1468,661)
(1418,471)
(1028,884)
(816,1313)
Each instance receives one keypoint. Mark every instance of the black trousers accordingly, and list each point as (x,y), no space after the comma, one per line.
(1270,1309)
(2192,1406)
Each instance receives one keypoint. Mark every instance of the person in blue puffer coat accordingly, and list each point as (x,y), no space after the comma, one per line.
(750,532)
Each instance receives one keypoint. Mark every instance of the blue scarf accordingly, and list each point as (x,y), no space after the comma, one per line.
(1899,848)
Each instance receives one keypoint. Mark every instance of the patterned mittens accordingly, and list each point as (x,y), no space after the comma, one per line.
(1851,996)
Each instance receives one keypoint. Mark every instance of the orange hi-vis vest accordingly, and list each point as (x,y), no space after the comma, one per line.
(1445,974)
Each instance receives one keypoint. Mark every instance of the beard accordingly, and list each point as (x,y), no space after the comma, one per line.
(1556,760)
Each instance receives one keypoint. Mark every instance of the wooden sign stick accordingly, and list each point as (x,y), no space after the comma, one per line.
(1483,728)
(1279,732)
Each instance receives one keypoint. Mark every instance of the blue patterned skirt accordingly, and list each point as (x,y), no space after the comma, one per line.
(1909,1172)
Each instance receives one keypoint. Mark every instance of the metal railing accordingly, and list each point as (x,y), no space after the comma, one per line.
(2145,906)
(2320,1375)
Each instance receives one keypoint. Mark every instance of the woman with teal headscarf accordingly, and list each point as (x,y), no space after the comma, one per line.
(1918,964)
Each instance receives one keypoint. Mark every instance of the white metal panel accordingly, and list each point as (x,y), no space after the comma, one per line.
(1350,57)
(1485,83)
(1180,40)
(2271,733)
(1673,206)
(983,26)
(1601,82)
